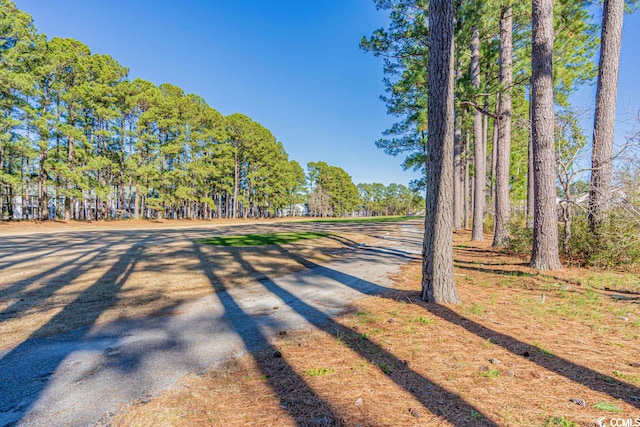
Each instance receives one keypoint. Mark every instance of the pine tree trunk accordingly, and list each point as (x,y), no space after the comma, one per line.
(136,203)
(236,185)
(503,148)
(494,152)
(457,196)
(122,171)
(544,255)
(530,181)
(43,209)
(480,167)
(485,134)
(71,156)
(67,196)
(437,260)
(467,184)
(604,120)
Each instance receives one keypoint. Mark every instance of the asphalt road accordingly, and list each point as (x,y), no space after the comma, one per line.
(83,376)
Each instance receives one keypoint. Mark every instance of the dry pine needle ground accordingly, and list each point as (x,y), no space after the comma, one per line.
(516,352)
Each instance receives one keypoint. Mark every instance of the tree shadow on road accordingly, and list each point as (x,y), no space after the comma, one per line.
(300,401)
(65,273)
(25,379)
(433,397)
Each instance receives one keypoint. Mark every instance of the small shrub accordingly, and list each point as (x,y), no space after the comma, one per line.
(618,244)
(487,226)
(520,238)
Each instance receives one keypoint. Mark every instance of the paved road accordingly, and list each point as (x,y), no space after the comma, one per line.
(83,376)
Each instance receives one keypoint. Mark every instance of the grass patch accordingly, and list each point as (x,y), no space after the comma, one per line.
(543,350)
(476,309)
(320,372)
(366,317)
(560,422)
(490,373)
(261,239)
(425,320)
(613,280)
(607,406)
(385,367)
(635,379)
(487,343)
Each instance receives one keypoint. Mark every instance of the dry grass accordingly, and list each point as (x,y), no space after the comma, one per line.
(521,346)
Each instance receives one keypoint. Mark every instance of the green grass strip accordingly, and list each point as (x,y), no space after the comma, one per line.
(261,239)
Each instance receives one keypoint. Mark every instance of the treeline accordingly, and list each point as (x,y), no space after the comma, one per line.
(394,199)
(80,140)
(491,94)
(515,134)
(333,193)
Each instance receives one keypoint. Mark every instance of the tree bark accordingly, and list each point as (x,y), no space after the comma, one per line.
(136,203)
(604,120)
(485,136)
(479,159)
(494,153)
(68,200)
(236,185)
(530,181)
(123,169)
(544,255)
(437,256)
(457,187)
(43,208)
(503,149)
(467,184)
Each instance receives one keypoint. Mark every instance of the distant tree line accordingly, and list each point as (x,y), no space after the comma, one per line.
(80,140)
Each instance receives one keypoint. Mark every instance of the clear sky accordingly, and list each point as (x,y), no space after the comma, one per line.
(628,106)
(294,66)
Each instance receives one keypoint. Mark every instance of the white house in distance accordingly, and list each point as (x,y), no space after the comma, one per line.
(298,210)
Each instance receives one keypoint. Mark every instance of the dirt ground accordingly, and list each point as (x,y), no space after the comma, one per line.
(524,349)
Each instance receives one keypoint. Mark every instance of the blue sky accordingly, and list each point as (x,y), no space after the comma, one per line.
(294,66)
(628,105)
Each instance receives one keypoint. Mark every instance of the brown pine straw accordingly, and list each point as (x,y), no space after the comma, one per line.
(503,358)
